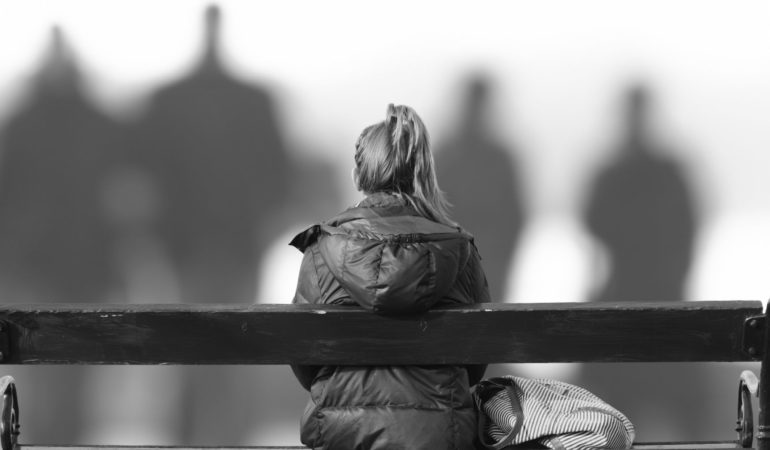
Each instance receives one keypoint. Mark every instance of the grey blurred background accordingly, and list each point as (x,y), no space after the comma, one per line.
(164,152)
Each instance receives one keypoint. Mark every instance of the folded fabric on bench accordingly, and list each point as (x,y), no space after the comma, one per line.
(515,410)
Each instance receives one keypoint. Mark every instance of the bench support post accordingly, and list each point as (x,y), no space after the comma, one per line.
(763,428)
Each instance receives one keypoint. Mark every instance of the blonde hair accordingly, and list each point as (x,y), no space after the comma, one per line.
(394,156)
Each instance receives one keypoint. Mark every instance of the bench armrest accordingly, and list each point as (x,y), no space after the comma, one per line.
(9,415)
(748,387)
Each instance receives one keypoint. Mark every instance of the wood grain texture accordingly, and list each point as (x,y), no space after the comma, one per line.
(305,334)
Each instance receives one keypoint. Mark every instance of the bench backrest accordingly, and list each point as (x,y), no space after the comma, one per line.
(304,334)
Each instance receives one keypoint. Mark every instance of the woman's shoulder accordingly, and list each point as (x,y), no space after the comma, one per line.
(309,235)
(378,215)
(305,238)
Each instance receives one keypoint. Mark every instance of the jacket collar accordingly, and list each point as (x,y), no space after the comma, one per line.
(382,199)
(380,204)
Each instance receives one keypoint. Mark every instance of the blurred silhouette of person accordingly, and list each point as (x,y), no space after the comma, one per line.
(212,145)
(55,243)
(481,180)
(641,211)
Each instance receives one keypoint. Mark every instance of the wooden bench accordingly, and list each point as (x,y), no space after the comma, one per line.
(304,334)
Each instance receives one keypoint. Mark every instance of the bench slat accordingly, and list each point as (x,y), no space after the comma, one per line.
(305,334)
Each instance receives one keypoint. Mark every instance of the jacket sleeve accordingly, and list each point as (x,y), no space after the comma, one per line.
(481,291)
(307,292)
(478,277)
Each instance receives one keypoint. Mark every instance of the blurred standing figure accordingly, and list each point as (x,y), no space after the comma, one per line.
(481,182)
(55,242)
(640,209)
(212,146)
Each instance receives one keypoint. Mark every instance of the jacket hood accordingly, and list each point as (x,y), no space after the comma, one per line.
(387,257)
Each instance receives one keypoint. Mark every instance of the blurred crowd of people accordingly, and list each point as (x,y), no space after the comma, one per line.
(182,204)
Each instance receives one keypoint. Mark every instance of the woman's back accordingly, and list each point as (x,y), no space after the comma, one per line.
(394,253)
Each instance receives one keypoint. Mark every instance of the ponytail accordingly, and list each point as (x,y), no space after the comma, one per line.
(394,156)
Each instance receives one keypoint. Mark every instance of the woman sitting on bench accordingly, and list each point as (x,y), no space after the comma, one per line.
(396,252)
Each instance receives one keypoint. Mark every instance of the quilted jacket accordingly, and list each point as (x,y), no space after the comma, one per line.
(383,256)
